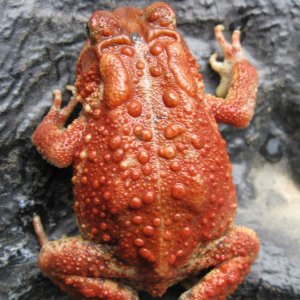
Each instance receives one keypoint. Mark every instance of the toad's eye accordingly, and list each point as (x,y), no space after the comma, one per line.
(102,24)
(87,28)
(160,14)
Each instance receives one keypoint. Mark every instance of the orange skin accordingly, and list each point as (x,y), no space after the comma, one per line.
(153,191)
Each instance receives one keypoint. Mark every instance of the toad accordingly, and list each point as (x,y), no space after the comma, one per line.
(153,191)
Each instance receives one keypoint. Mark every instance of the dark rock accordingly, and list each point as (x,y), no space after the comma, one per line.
(40,41)
(271,149)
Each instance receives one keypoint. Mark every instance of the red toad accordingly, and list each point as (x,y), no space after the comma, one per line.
(153,190)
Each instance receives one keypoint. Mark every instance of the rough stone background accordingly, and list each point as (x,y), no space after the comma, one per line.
(39,44)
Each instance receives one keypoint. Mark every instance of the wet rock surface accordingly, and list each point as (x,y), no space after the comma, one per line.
(39,44)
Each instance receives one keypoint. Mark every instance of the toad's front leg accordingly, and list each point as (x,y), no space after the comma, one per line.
(55,142)
(82,269)
(239,81)
(230,257)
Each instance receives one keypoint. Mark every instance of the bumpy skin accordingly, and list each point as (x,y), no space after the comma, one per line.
(154,197)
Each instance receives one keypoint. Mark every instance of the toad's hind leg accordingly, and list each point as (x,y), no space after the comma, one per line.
(230,257)
(82,269)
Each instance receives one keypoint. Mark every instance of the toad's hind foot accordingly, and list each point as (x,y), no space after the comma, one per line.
(85,270)
(231,258)
(39,230)
(79,288)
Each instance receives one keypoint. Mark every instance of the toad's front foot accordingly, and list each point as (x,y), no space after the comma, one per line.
(232,54)
(52,140)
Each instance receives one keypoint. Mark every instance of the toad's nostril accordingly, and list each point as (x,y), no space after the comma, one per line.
(135,37)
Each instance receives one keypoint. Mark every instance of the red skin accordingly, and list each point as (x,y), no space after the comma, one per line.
(154,197)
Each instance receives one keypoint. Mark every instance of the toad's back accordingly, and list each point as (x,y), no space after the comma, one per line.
(151,177)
